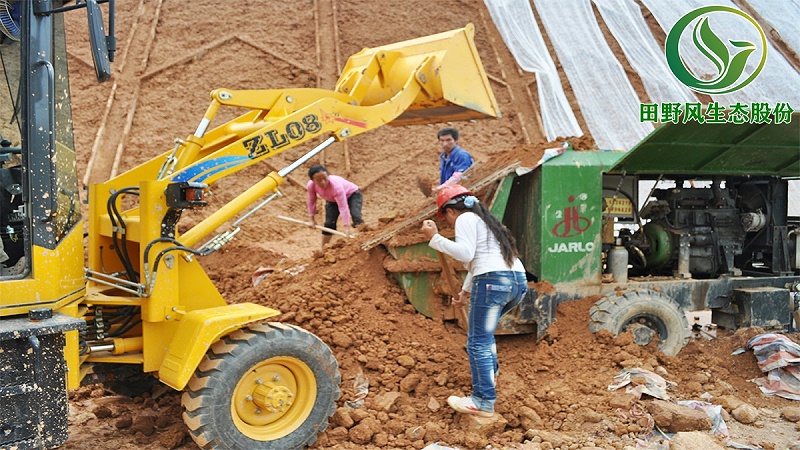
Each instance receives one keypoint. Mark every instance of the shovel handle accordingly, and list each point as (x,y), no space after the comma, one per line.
(319,227)
(447,274)
(451,284)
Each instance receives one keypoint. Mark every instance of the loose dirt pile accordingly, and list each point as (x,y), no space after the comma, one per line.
(552,393)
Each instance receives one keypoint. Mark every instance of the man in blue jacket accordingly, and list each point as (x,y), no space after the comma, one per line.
(453,160)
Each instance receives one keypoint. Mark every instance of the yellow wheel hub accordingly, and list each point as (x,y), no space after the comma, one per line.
(273,398)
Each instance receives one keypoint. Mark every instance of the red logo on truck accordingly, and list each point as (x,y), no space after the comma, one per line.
(572,223)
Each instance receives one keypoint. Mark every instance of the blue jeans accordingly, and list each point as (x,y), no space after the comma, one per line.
(493,294)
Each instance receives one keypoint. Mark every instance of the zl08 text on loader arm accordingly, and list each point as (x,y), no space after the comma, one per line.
(283,380)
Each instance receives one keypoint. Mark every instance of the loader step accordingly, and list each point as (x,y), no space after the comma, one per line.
(33,394)
(19,389)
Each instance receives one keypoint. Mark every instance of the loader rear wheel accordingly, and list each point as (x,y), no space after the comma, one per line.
(647,315)
(266,387)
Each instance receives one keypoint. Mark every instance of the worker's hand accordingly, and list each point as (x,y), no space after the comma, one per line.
(348,231)
(429,228)
(463,298)
(311,223)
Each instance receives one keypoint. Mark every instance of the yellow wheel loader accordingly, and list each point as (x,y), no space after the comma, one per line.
(144,305)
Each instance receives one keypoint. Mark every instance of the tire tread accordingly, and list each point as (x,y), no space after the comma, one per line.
(609,313)
(220,357)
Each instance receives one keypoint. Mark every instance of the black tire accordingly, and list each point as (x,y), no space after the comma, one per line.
(642,312)
(266,387)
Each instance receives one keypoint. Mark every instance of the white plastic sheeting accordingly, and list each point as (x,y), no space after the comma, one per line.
(782,15)
(624,20)
(607,100)
(515,21)
(777,81)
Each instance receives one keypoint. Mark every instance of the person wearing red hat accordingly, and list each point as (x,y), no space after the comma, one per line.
(495,282)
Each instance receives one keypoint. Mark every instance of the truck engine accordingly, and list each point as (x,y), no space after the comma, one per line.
(736,225)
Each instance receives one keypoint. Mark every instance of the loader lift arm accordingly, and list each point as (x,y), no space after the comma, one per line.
(183,330)
(248,385)
(432,79)
(419,81)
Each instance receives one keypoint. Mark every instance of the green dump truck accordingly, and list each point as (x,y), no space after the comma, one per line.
(694,217)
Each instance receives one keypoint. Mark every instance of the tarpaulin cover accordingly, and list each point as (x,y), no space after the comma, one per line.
(624,20)
(714,412)
(608,102)
(520,32)
(779,357)
(783,16)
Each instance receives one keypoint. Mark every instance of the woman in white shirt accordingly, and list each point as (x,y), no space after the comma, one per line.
(495,283)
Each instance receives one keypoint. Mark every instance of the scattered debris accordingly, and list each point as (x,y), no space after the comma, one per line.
(714,412)
(263,272)
(779,357)
(640,381)
(360,391)
(436,446)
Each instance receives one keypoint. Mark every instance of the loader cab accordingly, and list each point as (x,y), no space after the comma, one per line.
(12,248)
(41,256)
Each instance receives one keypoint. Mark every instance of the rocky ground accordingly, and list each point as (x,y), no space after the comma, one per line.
(553,394)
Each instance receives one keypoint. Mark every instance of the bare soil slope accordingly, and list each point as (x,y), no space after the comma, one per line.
(171,54)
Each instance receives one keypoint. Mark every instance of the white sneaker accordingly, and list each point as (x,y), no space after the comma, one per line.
(467,406)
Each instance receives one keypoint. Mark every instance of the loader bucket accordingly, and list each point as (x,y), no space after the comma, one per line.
(454,85)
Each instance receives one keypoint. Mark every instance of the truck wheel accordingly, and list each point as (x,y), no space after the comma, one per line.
(646,314)
(266,387)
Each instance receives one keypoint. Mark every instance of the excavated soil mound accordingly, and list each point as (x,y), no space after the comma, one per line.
(398,368)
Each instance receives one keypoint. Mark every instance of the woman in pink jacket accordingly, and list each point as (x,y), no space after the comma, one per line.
(341,197)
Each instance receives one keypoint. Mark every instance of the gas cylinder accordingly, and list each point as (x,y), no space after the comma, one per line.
(618,263)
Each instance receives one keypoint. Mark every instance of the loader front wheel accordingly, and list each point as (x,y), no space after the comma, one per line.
(266,387)
(647,315)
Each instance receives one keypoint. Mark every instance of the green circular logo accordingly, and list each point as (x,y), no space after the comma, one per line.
(730,67)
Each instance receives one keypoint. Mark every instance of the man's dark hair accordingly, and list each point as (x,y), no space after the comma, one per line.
(316,168)
(448,131)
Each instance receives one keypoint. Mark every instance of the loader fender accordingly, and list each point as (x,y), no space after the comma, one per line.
(197,331)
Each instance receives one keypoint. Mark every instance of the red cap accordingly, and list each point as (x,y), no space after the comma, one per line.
(448,193)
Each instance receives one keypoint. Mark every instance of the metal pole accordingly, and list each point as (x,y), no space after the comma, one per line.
(285,171)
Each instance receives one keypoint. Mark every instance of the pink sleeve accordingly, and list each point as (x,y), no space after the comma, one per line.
(341,202)
(312,199)
(454,179)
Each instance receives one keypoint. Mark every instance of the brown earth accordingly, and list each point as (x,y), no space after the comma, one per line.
(552,394)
